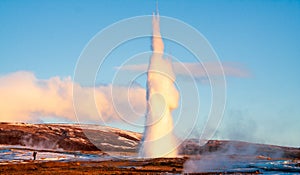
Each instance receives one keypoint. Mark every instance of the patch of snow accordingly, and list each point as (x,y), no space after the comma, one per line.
(129,133)
(27,147)
(111,129)
(115,146)
(130,142)
(22,124)
(10,155)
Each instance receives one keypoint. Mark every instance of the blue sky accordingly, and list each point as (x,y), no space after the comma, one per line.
(47,37)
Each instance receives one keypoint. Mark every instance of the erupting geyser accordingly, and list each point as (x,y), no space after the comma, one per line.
(162,98)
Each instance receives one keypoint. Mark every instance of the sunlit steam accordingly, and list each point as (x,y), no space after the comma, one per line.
(39,99)
(162,98)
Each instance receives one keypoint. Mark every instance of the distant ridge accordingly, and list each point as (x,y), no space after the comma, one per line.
(71,137)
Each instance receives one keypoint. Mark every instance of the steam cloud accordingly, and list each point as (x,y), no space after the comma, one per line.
(162,98)
(26,98)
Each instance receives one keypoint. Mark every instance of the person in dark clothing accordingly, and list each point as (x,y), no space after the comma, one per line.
(34,155)
(64,134)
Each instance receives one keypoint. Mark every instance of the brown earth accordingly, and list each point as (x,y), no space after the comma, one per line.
(150,166)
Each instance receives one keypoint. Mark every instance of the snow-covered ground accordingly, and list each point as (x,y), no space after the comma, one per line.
(135,135)
(278,166)
(17,154)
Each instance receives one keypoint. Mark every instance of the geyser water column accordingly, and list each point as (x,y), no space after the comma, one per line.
(162,99)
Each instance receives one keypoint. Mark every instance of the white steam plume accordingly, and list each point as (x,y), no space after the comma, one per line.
(162,98)
(24,98)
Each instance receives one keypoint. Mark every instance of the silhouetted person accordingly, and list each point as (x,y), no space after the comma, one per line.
(34,155)
(64,134)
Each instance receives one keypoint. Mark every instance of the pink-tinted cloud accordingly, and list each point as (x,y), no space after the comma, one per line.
(24,97)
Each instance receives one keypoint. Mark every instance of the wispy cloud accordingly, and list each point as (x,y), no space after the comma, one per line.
(198,70)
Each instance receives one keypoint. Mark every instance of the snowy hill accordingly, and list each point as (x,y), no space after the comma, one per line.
(70,137)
